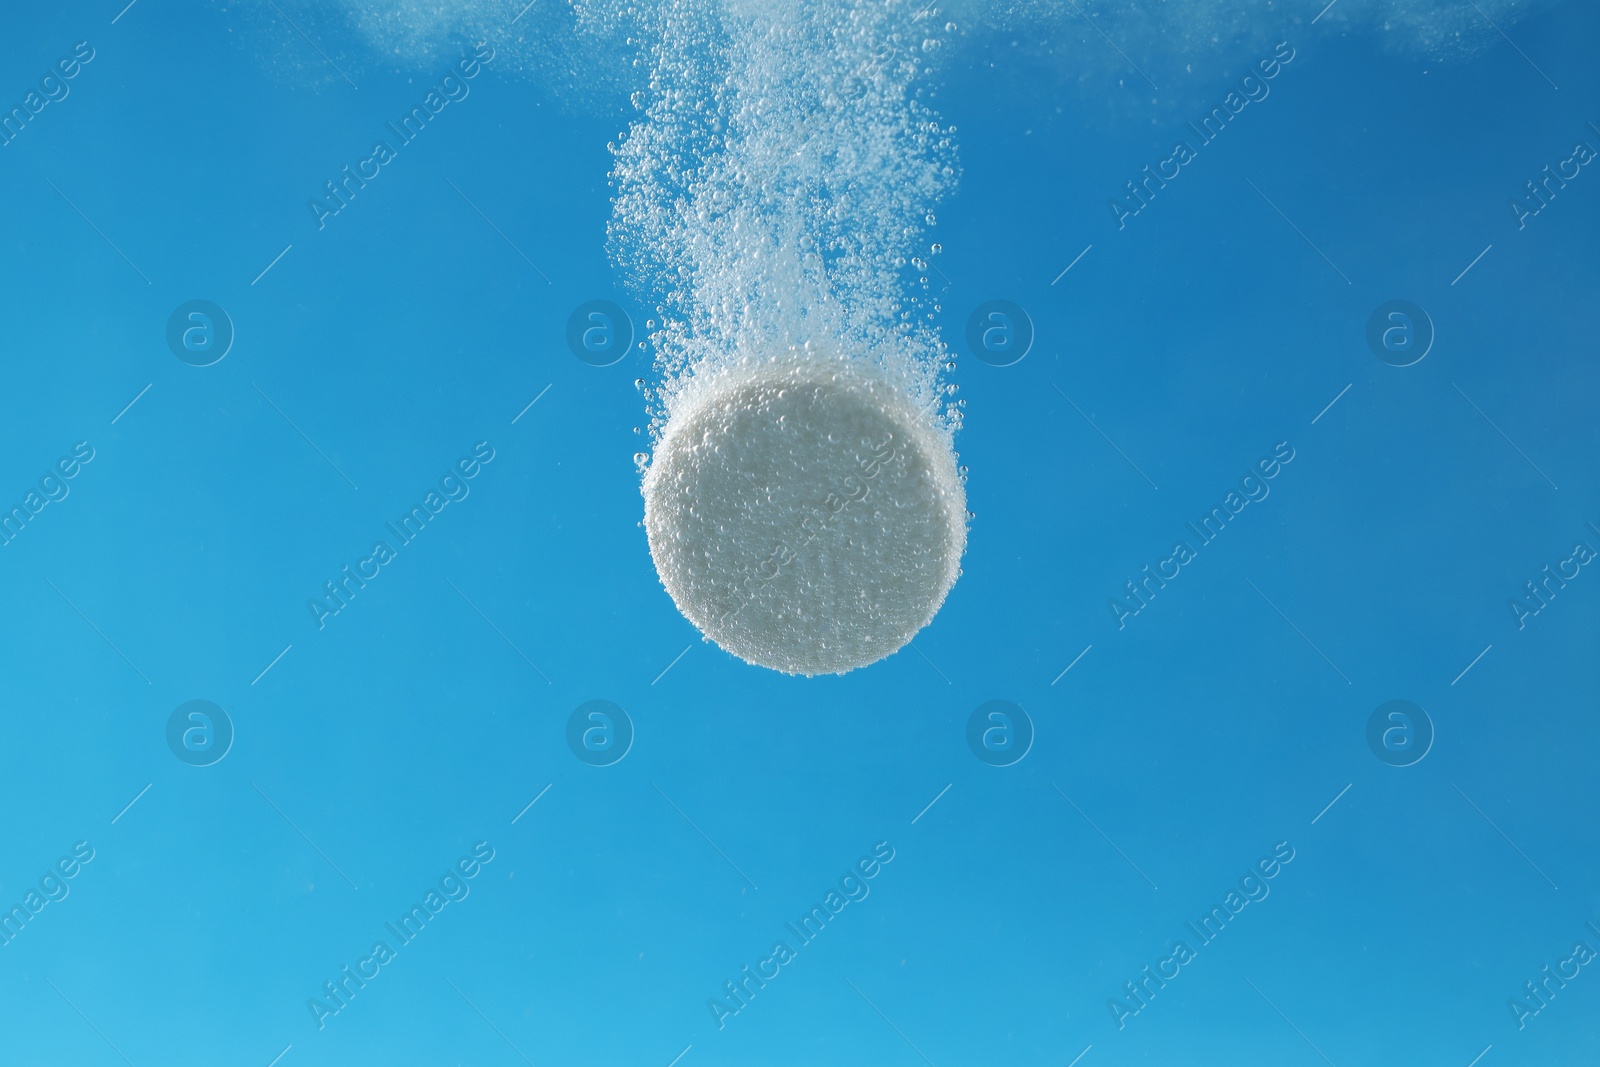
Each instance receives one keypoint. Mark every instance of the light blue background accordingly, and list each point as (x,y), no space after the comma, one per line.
(409,728)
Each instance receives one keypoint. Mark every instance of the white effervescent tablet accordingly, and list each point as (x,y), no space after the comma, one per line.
(804,515)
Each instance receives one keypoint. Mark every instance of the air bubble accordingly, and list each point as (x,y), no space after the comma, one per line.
(753,197)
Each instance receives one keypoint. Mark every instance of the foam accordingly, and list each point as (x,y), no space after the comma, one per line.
(774,199)
(775,195)
(1162,36)
(803,514)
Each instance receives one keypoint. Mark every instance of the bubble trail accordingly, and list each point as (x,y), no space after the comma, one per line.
(803,504)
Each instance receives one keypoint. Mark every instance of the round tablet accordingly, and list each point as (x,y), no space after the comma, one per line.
(804,515)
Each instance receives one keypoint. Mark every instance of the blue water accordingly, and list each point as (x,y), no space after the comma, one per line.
(183,887)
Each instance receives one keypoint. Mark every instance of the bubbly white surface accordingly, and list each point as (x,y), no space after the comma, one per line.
(804,515)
